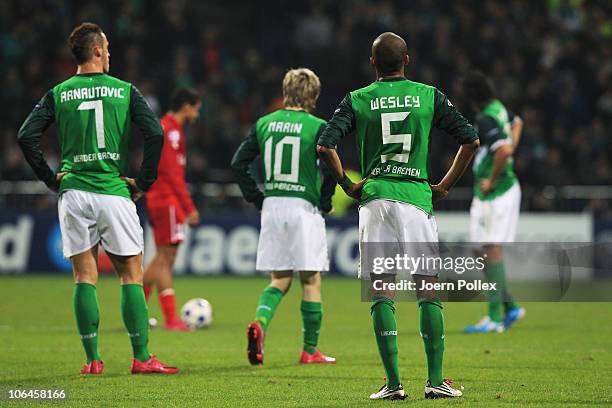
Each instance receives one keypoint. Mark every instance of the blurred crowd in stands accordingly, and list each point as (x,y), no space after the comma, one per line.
(551,62)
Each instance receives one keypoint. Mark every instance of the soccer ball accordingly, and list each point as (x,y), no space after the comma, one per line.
(197,313)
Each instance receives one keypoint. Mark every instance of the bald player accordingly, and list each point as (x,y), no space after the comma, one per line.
(392,119)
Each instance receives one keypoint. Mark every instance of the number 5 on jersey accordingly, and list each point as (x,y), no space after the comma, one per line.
(387,137)
(276,160)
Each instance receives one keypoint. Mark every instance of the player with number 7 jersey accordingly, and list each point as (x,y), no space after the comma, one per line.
(93,113)
(292,237)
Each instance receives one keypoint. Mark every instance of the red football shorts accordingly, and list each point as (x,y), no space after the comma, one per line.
(168,224)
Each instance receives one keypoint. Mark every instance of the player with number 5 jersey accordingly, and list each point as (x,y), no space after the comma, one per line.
(292,237)
(94,113)
(392,119)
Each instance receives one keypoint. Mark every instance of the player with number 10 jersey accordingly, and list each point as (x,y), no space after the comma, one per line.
(292,237)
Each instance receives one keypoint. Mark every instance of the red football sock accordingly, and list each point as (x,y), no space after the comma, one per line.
(147,291)
(167,303)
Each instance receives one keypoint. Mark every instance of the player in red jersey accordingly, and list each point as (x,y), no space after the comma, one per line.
(169,204)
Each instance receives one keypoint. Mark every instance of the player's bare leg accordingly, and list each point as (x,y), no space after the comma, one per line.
(432,331)
(268,302)
(159,274)
(312,315)
(86,310)
(135,314)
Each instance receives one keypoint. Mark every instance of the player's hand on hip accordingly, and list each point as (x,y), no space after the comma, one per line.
(135,192)
(354,190)
(438,192)
(193,219)
(328,212)
(486,186)
(58,177)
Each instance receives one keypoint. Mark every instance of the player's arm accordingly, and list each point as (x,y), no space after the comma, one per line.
(147,122)
(28,137)
(175,172)
(185,200)
(341,124)
(241,162)
(328,183)
(450,120)
(516,129)
(492,136)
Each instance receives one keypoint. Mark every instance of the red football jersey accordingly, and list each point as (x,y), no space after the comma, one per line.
(170,186)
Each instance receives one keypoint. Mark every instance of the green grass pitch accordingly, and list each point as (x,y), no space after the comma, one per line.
(560,355)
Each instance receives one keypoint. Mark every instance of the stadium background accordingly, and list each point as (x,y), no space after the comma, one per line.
(551,62)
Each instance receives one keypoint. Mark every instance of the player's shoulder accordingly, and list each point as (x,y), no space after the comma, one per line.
(117,81)
(407,83)
(166,120)
(83,80)
(267,117)
(170,125)
(315,119)
(364,90)
(421,85)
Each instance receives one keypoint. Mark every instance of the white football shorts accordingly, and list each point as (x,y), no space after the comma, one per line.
(388,228)
(292,236)
(494,221)
(87,219)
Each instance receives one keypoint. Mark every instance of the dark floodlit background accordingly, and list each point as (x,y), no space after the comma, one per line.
(551,62)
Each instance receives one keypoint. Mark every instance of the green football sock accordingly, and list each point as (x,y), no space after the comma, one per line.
(268,302)
(136,319)
(312,314)
(87,315)
(385,330)
(432,331)
(496,274)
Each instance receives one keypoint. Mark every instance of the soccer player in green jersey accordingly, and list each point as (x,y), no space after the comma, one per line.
(292,237)
(497,196)
(93,113)
(392,119)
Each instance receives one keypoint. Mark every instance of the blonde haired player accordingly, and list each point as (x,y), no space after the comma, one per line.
(292,237)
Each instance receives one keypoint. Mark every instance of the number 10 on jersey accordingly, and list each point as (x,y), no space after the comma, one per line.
(273,157)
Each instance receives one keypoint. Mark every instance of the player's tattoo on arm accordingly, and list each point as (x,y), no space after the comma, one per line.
(148,124)
(241,163)
(29,135)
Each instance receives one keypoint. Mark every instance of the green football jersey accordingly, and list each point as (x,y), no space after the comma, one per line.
(286,141)
(93,115)
(392,119)
(93,125)
(493,125)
